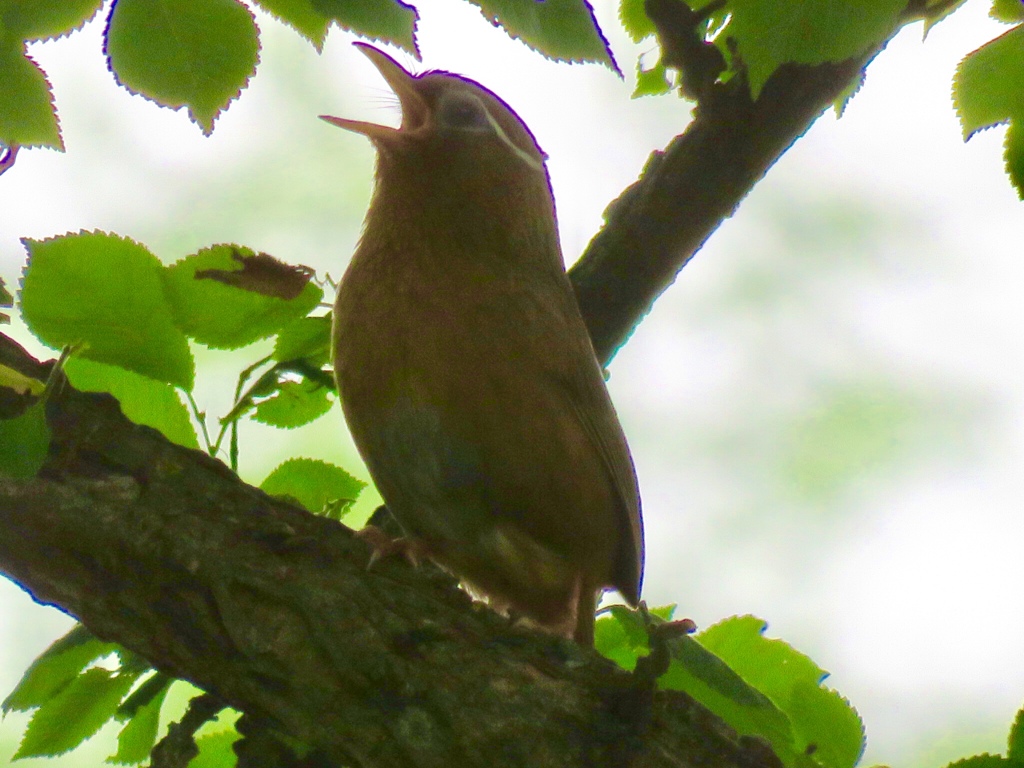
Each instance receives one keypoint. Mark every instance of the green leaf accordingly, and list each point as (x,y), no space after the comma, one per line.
(305,338)
(1010,11)
(737,674)
(389,20)
(847,94)
(635,20)
(1014,155)
(621,636)
(651,82)
(565,30)
(982,761)
(152,687)
(826,724)
(136,739)
(823,722)
(1015,742)
(6,302)
(20,384)
(215,750)
(58,665)
(33,20)
(27,114)
(75,713)
(301,16)
(223,316)
(663,612)
(295,403)
(314,484)
(130,661)
(988,88)
(24,442)
(769,33)
(104,294)
(183,53)
(703,675)
(938,10)
(143,400)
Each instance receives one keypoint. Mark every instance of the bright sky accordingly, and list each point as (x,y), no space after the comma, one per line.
(906,585)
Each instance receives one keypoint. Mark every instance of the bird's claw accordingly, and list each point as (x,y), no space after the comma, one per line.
(383,546)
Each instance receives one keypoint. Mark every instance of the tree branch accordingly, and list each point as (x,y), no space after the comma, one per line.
(270,608)
(685,192)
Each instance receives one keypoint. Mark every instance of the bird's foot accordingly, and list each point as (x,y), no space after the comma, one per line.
(383,546)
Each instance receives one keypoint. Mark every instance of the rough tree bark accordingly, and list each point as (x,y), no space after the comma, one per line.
(273,610)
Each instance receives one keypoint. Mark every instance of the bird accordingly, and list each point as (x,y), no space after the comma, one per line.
(464,368)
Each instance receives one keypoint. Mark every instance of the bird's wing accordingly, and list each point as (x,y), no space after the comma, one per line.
(593,407)
(581,382)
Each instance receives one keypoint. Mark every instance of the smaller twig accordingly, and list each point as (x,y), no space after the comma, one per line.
(659,636)
(178,747)
(329,281)
(154,686)
(233,447)
(243,377)
(56,378)
(264,385)
(242,402)
(303,367)
(264,746)
(683,48)
(200,417)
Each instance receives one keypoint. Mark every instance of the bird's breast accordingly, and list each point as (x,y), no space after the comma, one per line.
(454,388)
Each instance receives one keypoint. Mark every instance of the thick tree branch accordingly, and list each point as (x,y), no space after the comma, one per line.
(271,609)
(685,192)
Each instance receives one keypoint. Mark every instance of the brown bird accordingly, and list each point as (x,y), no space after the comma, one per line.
(466,374)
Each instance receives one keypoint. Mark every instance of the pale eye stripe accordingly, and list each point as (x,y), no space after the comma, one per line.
(524,156)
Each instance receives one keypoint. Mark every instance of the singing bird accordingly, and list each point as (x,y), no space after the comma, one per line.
(466,374)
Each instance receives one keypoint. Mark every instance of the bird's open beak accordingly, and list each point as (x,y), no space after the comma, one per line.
(414,108)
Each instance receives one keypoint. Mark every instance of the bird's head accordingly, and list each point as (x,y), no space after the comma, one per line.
(459,146)
(440,107)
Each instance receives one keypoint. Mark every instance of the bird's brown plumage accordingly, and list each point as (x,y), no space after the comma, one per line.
(465,371)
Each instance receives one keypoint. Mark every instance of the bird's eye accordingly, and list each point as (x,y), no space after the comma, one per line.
(462,112)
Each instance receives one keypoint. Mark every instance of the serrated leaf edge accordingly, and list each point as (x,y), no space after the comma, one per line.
(70,30)
(207,130)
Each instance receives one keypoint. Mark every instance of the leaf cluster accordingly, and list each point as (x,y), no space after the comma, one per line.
(201,54)
(755,38)
(130,323)
(78,685)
